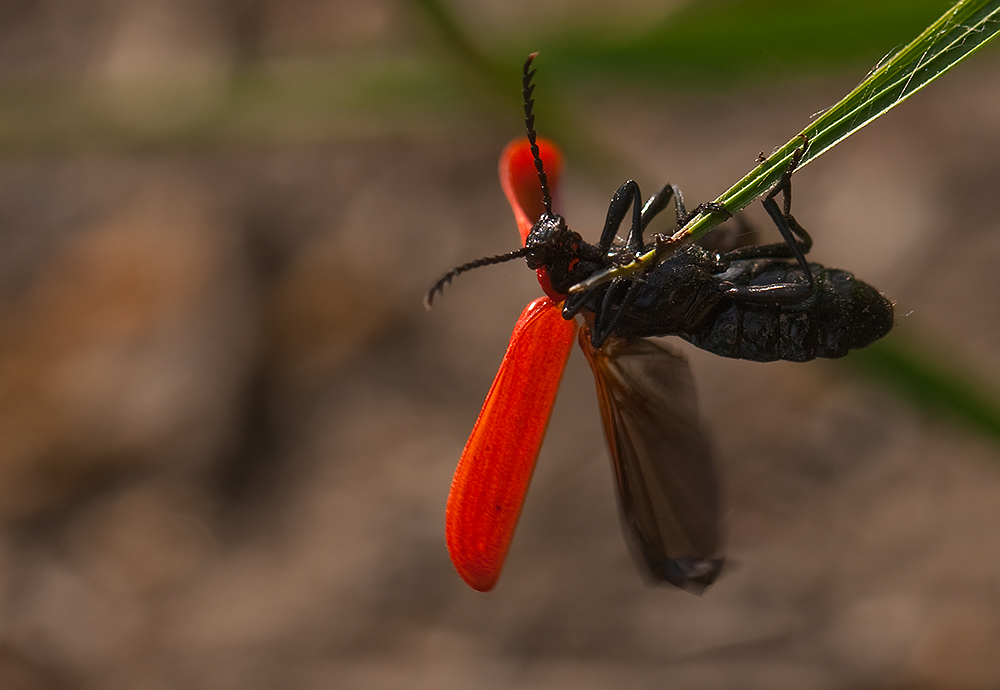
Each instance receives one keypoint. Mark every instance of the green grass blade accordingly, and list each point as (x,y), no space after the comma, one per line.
(965,28)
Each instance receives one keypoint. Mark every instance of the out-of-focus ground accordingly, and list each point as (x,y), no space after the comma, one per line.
(227,427)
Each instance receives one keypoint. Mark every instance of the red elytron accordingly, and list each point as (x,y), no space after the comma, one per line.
(496,466)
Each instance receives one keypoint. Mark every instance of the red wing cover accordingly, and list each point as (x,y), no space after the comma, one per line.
(496,466)
(519,179)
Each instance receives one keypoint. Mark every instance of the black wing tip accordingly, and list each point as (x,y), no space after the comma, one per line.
(690,573)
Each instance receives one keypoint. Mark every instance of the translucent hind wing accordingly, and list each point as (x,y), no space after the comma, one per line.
(667,484)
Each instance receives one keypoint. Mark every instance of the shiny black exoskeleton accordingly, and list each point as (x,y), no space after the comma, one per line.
(761,303)
(701,297)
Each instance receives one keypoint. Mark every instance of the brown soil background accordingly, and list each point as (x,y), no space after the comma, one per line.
(228,427)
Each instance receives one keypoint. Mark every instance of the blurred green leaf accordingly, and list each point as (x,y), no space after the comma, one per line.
(715,44)
(918,375)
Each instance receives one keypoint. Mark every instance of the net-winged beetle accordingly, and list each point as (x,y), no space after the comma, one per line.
(760,303)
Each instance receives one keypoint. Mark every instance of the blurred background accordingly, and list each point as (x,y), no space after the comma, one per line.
(227,426)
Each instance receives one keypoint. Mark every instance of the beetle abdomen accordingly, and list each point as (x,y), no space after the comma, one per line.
(842,314)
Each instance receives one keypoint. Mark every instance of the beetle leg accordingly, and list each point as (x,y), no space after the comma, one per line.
(780,250)
(659,201)
(787,225)
(627,194)
(775,293)
(797,243)
(622,290)
(605,325)
(574,303)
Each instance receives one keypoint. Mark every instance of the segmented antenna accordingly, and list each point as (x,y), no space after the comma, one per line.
(529,123)
(487,261)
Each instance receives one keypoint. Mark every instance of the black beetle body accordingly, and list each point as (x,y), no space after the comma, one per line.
(691,295)
(760,303)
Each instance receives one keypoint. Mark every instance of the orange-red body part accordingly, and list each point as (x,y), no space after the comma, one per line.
(499,458)
(519,180)
(496,466)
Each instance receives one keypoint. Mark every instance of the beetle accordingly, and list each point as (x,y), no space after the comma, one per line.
(760,303)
